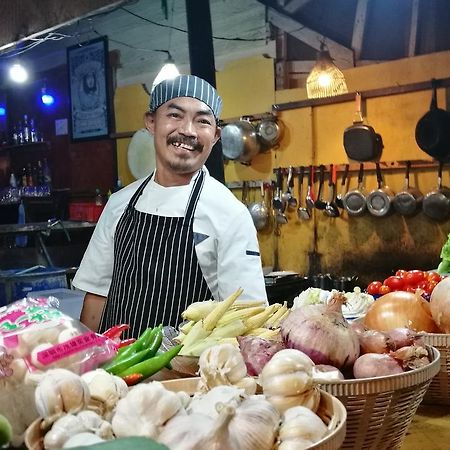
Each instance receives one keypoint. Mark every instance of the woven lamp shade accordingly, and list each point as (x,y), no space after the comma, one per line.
(325,79)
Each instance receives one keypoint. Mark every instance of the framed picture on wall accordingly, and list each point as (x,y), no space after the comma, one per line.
(88,88)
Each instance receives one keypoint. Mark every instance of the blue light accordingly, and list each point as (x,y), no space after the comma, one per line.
(47,99)
(2,111)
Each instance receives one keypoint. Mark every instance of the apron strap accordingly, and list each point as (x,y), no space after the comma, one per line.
(138,193)
(193,198)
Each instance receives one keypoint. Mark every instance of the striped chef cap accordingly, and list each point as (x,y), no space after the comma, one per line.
(186,86)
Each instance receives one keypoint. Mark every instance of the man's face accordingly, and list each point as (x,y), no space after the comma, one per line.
(184,131)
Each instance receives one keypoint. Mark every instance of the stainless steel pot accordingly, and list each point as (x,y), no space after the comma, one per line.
(379,201)
(355,200)
(269,133)
(408,201)
(240,141)
(259,211)
(436,204)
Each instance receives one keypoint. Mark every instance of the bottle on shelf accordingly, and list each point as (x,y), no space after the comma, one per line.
(24,177)
(12,180)
(47,178)
(98,197)
(29,175)
(33,131)
(40,174)
(15,136)
(26,130)
(20,139)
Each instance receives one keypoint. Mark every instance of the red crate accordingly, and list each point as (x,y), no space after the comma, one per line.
(89,212)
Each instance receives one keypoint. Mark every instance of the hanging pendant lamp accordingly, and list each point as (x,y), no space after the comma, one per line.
(325,79)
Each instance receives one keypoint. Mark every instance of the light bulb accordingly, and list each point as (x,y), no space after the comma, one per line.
(18,74)
(168,72)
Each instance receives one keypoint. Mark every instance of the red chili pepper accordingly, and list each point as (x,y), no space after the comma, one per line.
(126,342)
(133,379)
(115,331)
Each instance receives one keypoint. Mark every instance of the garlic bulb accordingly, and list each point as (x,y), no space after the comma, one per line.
(253,425)
(300,429)
(223,364)
(145,409)
(188,432)
(206,403)
(309,399)
(60,391)
(105,390)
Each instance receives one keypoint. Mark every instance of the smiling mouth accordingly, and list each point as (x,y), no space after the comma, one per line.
(189,145)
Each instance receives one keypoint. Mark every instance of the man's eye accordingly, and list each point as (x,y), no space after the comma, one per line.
(205,121)
(174,114)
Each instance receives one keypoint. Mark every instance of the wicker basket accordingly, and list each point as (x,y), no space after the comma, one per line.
(439,390)
(331,411)
(379,410)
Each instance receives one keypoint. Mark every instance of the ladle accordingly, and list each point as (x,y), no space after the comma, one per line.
(320,203)
(303,213)
(310,194)
(341,194)
(277,203)
(331,209)
(292,201)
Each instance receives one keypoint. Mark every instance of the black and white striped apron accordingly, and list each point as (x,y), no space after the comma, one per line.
(156,274)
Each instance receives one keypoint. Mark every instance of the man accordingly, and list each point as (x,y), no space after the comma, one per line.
(177,237)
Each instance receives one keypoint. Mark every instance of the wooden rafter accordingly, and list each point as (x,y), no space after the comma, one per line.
(358,28)
(413,28)
(293,6)
(342,55)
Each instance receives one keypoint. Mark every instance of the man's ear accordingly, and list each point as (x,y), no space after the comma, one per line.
(218,134)
(149,121)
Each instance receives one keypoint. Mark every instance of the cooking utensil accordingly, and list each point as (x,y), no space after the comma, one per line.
(436,204)
(240,141)
(408,201)
(310,200)
(259,211)
(379,201)
(341,194)
(331,209)
(361,142)
(433,129)
(355,200)
(292,201)
(277,203)
(303,213)
(269,133)
(287,194)
(320,202)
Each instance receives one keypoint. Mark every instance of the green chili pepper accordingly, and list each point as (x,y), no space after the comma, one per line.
(153,365)
(136,346)
(123,364)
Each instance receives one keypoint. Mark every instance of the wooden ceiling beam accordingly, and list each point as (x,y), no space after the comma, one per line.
(358,28)
(28,19)
(342,55)
(293,6)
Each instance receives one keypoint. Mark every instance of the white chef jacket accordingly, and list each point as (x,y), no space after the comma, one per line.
(225,238)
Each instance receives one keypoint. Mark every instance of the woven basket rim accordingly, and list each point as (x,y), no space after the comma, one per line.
(365,386)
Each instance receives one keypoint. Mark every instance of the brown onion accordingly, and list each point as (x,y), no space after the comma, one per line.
(400,309)
(440,305)
(373,365)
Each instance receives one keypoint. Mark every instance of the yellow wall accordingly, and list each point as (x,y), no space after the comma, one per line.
(368,246)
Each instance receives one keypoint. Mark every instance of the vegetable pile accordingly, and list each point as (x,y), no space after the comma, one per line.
(224,413)
(215,322)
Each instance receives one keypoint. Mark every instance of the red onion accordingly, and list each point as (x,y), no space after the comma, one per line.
(322,333)
(324,373)
(402,337)
(373,365)
(358,326)
(373,341)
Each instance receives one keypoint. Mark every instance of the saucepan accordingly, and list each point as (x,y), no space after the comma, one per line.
(355,200)
(408,201)
(240,141)
(436,204)
(379,201)
(269,132)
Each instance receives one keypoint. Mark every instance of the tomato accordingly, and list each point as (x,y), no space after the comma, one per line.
(423,285)
(430,286)
(384,289)
(374,288)
(411,289)
(414,277)
(401,273)
(394,282)
(433,276)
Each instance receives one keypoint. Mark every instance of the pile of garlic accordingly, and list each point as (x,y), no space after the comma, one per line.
(225,413)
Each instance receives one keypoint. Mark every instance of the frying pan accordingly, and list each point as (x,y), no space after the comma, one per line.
(343,183)
(361,142)
(436,204)
(355,201)
(408,201)
(433,129)
(379,201)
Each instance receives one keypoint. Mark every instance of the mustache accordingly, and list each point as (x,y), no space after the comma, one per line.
(185,140)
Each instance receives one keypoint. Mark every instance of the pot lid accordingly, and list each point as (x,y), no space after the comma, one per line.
(141,154)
